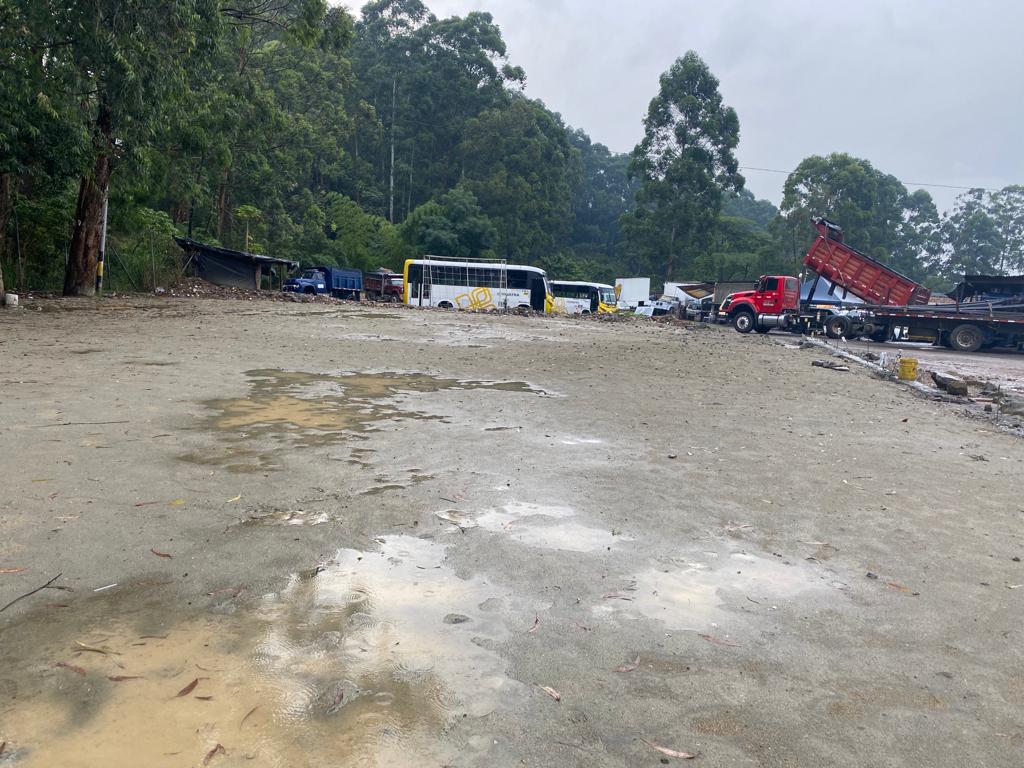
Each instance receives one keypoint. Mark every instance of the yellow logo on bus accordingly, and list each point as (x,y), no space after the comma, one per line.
(478,298)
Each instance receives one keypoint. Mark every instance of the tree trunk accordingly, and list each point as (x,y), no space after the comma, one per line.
(391,183)
(670,263)
(80,274)
(6,193)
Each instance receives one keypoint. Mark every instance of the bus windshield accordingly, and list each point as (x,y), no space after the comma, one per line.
(607,295)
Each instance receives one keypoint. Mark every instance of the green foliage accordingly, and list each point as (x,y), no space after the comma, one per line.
(881,218)
(685,162)
(324,139)
(451,226)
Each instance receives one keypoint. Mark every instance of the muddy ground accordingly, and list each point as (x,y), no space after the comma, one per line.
(306,535)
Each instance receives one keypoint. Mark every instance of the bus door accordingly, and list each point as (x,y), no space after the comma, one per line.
(594,298)
(537,292)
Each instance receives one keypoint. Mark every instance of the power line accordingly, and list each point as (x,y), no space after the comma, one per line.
(904,183)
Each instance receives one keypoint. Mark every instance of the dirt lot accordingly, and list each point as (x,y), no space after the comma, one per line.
(309,535)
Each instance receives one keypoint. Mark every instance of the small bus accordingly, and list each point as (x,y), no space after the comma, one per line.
(463,284)
(580,298)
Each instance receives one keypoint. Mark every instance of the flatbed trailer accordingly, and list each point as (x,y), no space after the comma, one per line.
(896,306)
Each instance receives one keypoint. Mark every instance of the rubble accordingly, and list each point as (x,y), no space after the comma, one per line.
(951,384)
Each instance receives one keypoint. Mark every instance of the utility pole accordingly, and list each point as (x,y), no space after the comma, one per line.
(103,241)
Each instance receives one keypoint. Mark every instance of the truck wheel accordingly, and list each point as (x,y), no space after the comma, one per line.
(966,338)
(743,321)
(761,328)
(837,326)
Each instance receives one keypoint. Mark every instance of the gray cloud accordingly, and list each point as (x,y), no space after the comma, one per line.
(928,91)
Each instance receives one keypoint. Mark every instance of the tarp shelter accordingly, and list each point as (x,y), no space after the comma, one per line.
(689,291)
(236,269)
(826,293)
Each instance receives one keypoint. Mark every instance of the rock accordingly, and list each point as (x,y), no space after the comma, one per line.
(988,407)
(455,618)
(950,384)
(1012,405)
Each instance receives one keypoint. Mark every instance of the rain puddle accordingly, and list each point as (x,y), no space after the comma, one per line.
(536,525)
(318,409)
(368,660)
(698,596)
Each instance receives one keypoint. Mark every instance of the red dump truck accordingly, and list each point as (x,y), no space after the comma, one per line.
(894,305)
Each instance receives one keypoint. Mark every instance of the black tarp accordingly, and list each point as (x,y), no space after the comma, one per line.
(236,269)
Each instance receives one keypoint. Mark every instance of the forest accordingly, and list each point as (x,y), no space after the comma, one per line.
(304,131)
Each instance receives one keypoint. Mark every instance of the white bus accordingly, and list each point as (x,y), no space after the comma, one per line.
(464,284)
(574,297)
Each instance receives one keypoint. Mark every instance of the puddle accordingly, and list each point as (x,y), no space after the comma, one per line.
(368,661)
(289,517)
(233,459)
(537,525)
(580,441)
(319,409)
(698,595)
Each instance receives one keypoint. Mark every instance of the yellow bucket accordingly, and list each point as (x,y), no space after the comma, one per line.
(907,369)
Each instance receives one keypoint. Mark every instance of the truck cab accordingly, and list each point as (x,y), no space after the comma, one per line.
(773,303)
(311,281)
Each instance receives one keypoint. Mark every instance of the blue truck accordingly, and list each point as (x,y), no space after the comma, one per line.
(340,282)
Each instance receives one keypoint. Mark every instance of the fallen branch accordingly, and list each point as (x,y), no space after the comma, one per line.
(29,594)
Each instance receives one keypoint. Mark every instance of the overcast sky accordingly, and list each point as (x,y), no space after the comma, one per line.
(928,90)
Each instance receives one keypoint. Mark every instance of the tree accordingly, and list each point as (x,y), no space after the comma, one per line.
(603,193)
(1007,208)
(684,162)
(129,59)
(973,242)
(453,225)
(881,218)
(519,164)
(743,205)
(247,214)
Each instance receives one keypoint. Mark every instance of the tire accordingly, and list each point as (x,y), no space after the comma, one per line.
(761,328)
(838,326)
(966,338)
(309,291)
(585,312)
(743,322)
(446,305)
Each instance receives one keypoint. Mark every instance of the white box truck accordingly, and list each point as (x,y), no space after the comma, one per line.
(633,292)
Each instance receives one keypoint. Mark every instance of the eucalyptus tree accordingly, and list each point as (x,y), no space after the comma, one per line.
(684,163)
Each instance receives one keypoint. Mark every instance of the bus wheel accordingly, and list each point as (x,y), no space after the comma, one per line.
(446,305)
(585,312)
(743,321)
(966,338)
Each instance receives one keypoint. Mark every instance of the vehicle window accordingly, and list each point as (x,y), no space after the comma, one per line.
(791,284)
(771,283)
(518,278)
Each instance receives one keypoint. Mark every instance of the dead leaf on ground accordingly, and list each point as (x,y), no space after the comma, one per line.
(233,498)
(205,698)
(225,591)
(187,689)
(160,554)
(145,503)
(536,623)
(13,570)
(669,752)
(551,692)
(177,503)
(248,715)
(900,588)
(219,749)
(95,648)
(71,667)
(720,641)
(56,605)
(615,596)
(123,678)
(629,667)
